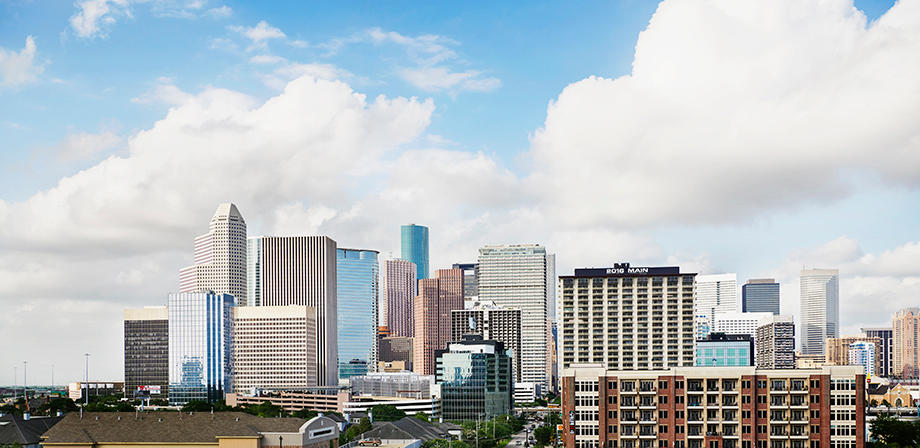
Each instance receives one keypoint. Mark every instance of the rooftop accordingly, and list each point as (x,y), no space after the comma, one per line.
(16,430)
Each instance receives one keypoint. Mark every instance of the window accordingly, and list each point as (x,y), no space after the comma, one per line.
(662,414)
(663,399)
(662,429)
(746,399)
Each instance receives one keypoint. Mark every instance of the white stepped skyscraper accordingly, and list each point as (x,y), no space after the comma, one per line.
(220,257)
(820,297)
(716,295)
(523,276)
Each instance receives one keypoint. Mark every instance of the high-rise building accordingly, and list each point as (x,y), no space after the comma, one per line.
(436,298)
(696,407)
(394,349)
(220,257)
(147,351)
(820,308)
(720,350)
(200,329)
(627,318)
(716,295)
(863,354)
(475,378)
(739,323)
(415,248)
(470,280)
(492,323)
(523,276)
(358,293)
(906,328)
(837,351)
(775,343)
(760,295)
(886,355)
(274,348)
(400,287)
(301,270)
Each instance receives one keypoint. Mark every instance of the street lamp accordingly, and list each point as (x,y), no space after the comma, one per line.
(86,380)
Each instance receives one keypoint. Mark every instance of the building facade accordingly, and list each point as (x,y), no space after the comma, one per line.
(396,349)
(721,350)
(200,337)
(436,298)
(863,353)
(470,280)
(301,270)
(714,407)
(775,343)
(220,257)
(273,348)
(716,294)
(475,378)
(400,385)
(492,323)
(415,248)
(837,351)
(760,295)
(523,276)
(905,331)
(886,355)
(820,298)
(627,318)
(322,399)
(739,323)
(400,286)
(146,352)
(357,276)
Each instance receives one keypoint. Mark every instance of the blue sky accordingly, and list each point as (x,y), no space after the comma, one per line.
(782,143)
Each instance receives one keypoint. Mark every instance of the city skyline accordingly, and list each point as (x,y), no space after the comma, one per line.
(106,177)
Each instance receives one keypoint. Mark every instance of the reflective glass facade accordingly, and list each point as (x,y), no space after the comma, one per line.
(415,248)
(146,351)
(199,346)
(357,285)
(760,296)
(475,378)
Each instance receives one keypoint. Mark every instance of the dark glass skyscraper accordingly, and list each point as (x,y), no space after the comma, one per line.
(356,282)
(476,379)
(415,248)
(760,295)
(146,352)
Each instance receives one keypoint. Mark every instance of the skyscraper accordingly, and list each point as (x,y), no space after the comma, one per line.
(715,295)
(301,270)
(886,355)
(415,248)
(863,354)
(436,298)
(820,308)
(760,295)
(492,323)
(274,348)
(220,257)
(906,327)
(357,277)
(475,378)
(523,276)
(147,351)
(399,290)
(775,343)
(470,280)
(627,318)
(199,346)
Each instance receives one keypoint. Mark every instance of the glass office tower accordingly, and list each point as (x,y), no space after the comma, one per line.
(199,346)
(415,248)
(760,295)
(357,285)
(476,379)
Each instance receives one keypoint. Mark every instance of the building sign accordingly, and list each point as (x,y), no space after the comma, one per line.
(572,422)
(149,390)
(625,270)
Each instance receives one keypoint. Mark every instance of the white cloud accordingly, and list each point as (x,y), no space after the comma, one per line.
(222,11)
(165,92)
(735,108)
(18,68)
(259,34)
(279,78)
(93,16)
(266,59)
(84,145)
(433,79)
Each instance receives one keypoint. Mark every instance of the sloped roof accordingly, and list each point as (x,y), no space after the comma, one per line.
(227,209)
(406,428)
(14,429)
(164,427)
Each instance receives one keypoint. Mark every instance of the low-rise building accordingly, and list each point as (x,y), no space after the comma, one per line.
(24,431)
(527,392)
(476,379)
(398,385)
(322,399)
(95,389)
(720,349)
(723,407)
(428,406)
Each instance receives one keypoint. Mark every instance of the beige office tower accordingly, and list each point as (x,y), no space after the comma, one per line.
(627,318)
(523,276)
(399,291)
(274,348)
(906,326)
(492,322)
(220,257)
(820,302)
(300,270)
(436,298)
(837,350)
(775,343)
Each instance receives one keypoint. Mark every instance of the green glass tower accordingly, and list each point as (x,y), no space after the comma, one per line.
(415,248)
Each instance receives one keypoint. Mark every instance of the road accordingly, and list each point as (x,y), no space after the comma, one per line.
(519,440)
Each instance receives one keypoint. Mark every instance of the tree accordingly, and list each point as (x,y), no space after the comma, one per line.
(441,443)
(897,433)
(354,431)
(543,434)
(421,416)
(264,409)
(873,403)
(305,413)
(197,406)
(387,413)
(553,419)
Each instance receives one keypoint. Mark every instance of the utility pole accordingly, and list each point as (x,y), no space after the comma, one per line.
(25,384)
(15,375)
(86,380)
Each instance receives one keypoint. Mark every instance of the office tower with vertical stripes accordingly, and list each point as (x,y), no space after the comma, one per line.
(492,322)
(436,298)
(200,341)
(886,354)
(274,348)
(400,287)
(760,295)
(906,328)
(820,308)
(147,351)
(220,257)
(357,276)
(301,270)
(716,295)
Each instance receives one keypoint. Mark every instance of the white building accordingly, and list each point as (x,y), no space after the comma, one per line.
(428,406)
(715,295)
(526,392)
(300,270)
(274,348)
(220,257)
(820,308)
(491,322)
(739,323)
(863,354)
(523,276)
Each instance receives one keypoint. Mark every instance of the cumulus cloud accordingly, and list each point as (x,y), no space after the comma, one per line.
(736,108)
(93,16)
(18,68)
(433,79)
(259,34)
(84,145)
(164,92)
